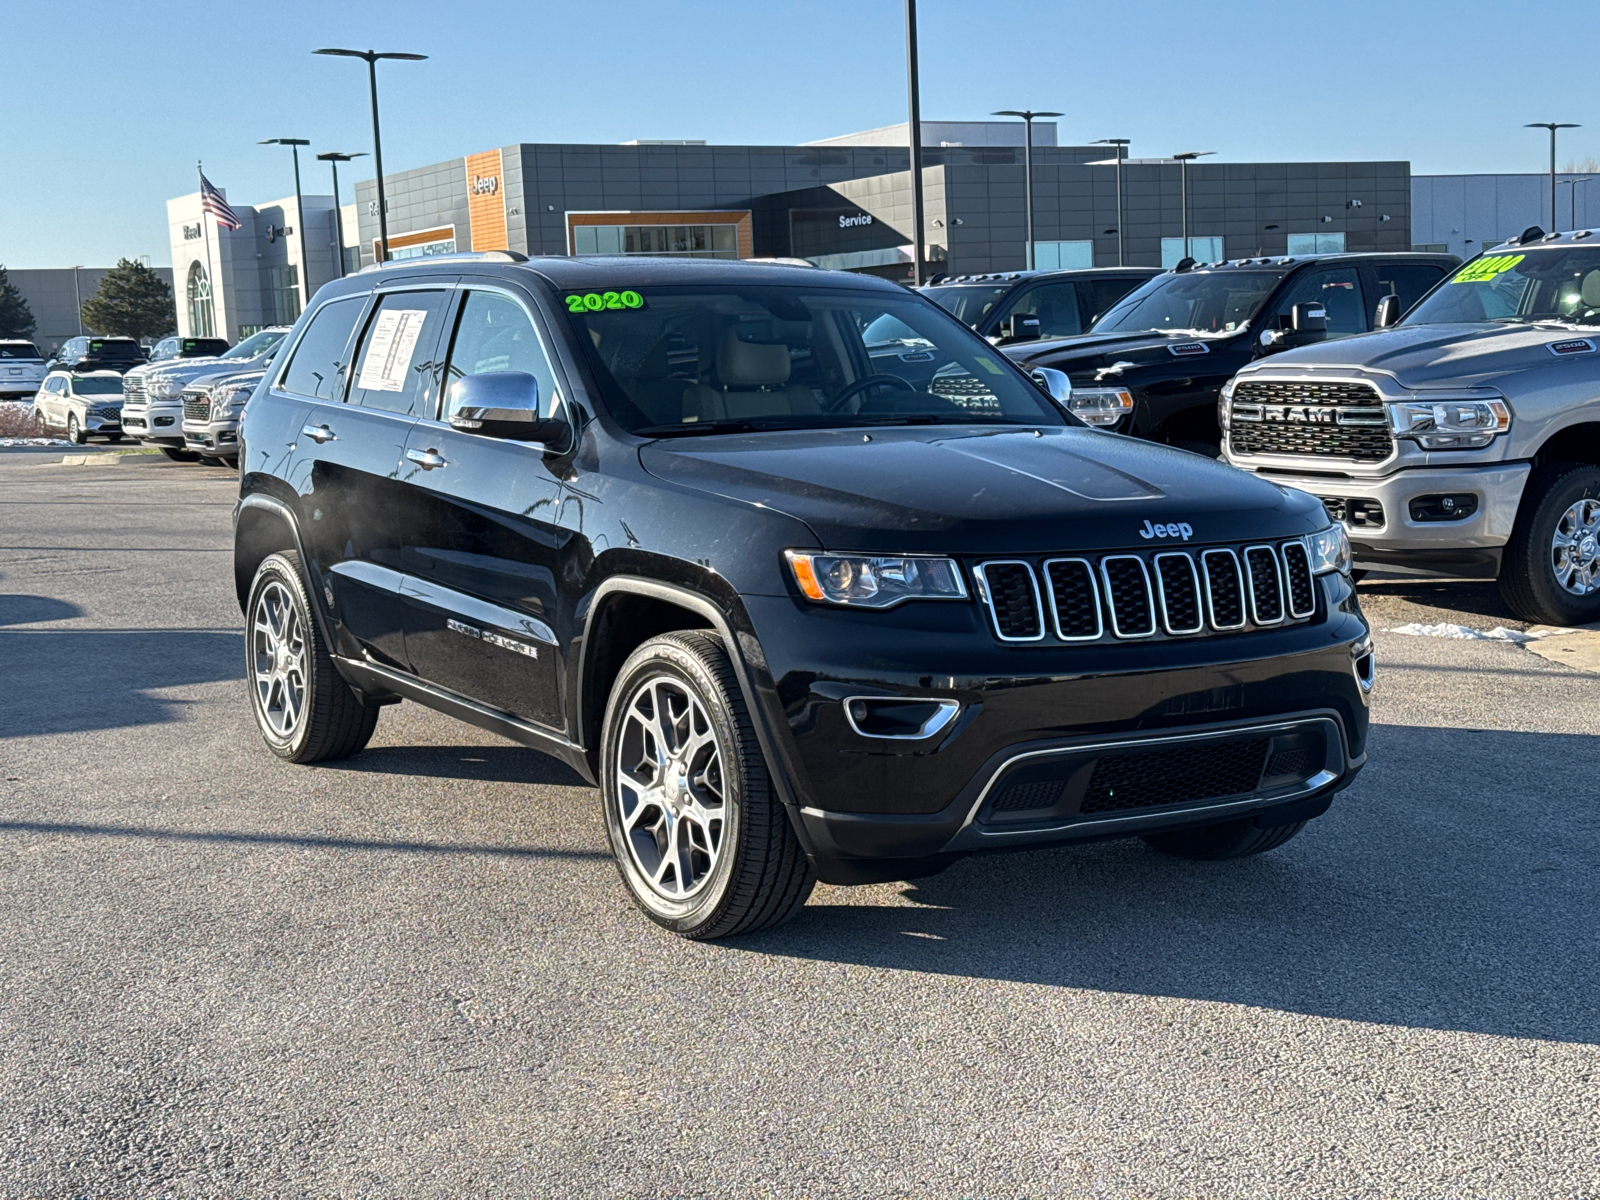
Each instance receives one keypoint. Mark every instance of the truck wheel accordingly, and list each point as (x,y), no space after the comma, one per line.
(1550,572)
(180,455)
(75,433)
(304,709)
(700,838)
(1230,839)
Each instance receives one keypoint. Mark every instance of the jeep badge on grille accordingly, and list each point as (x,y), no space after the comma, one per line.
(1181,529)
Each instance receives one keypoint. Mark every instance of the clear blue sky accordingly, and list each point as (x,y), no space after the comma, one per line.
(110,102)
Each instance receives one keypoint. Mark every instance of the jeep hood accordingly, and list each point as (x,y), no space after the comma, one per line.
(982,491)
(1437,356)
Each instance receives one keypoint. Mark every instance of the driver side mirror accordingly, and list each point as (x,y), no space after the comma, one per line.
(1308,323)
(1020,327)
(503,404)
(1388,313)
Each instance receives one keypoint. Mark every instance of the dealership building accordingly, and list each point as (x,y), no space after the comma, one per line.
(842,203)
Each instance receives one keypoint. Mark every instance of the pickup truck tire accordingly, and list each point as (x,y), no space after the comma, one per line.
(700,838)
(303,708)
(1230,839)
(1553,510)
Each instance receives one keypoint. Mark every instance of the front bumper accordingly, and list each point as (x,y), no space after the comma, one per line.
(155,424)
(219,440)
(1469,547)
(878,807)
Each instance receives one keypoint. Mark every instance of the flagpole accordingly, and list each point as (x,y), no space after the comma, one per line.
(206,230)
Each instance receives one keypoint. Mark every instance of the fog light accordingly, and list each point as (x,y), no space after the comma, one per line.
(1457,506)
(898,717)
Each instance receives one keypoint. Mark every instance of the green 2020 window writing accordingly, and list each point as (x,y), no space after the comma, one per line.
(585,302)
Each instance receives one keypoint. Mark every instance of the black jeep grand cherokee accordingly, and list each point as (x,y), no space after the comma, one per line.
(799,616)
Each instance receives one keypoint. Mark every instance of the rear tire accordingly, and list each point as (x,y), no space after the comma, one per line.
(701,840)
(1555,548)
(1230,839)
(303,708)
(187,456)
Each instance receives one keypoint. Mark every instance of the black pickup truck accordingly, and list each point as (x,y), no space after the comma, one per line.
(1153,366)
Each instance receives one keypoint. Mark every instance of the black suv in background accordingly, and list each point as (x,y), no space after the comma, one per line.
(798,615)
(188,347)
(1027,305)
(97,354)
(1154,365)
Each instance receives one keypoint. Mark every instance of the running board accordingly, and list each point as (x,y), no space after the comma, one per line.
(376,680)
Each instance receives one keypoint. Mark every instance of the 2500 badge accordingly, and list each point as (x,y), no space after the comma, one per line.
(582,302)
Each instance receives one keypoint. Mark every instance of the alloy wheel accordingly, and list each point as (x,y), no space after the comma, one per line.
(671,795)
(1575,548)
(278,658)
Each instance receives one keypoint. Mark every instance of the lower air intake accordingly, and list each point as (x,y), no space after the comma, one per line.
(1178,776)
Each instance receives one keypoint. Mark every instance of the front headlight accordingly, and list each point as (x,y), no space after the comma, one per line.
(232,402)
(874,581)
(1100,406)
(1450,424)
(1330,550)
(165,389)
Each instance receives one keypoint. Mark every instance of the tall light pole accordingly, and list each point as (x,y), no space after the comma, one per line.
(77,295)
(1552,126)
(914,124)
(1572,199)
(1120,149)
(333,158)
(1184,160)
(372,57)
(1027,166)
(294,145)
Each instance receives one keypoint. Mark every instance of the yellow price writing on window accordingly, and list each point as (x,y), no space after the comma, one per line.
(1484,269)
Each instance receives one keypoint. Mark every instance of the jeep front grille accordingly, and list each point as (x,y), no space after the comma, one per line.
(1309,418)
(196,406)
(1167,593)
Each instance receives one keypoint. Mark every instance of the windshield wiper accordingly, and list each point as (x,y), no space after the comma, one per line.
(694,428)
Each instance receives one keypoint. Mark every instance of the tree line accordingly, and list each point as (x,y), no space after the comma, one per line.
(131,301)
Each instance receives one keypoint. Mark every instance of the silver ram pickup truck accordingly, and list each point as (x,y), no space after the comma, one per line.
(1462,440)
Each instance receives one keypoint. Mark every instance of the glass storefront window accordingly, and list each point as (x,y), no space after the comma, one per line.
(683,241)
(285,294)
(1201,249)
(425,250)
(201,321)
(1316,243)
(1063,256)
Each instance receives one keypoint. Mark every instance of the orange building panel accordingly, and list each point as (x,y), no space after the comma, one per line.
(486,200)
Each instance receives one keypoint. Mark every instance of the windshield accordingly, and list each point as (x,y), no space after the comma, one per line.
(91,385)
(969,303)
(256,343)
(680,361)
(1211,302)
(114,349)
(1557,283)
(196,347)
(18,350)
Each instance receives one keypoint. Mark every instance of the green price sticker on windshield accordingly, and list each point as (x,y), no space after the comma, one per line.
(588,302)
(1485,269)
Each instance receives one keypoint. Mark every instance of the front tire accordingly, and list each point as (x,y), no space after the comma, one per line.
(1550,571)
(75,433)
(1230,839)
(303,708)
(700,838)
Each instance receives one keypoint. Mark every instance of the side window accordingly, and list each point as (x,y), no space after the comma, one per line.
(1098,295)
(317,369)
(1409,281)
(395,367)
(1056,306)
(1340,292)
(494,333)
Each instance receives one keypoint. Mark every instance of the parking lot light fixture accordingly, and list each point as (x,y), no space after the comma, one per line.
(1120,150)
(371,58)
(333,158)
(1552,126)
(294,145)
(1184,160)
(1027,167)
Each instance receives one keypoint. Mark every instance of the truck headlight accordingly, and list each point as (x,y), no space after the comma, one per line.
(232,402)
(1100,406)
(1224,398)
(1450,424)
(874,581)
(164,389)
(1330,550)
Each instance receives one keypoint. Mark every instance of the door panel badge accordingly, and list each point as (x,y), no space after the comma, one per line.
(494,639)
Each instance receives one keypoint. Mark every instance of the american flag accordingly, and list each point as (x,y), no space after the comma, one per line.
(212,202)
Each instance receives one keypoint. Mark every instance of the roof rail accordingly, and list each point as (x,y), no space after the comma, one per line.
(494,256)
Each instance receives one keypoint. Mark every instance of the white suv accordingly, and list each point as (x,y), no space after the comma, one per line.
(80,403)
(21,369)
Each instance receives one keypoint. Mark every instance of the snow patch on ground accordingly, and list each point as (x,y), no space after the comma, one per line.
(40,441)
(1466,633)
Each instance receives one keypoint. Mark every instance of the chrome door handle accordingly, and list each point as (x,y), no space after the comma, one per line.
(426,459)
(319,433)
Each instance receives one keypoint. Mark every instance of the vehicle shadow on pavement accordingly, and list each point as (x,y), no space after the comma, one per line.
(28,610)
(485,764)
(1451,888)
(79,680)
(1444,599)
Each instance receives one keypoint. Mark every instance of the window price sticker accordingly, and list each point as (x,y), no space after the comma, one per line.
(1485,269)
(394,341)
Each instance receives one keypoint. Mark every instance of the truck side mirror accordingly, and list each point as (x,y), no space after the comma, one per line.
(1388,313)
(1308,323)
(1020,327)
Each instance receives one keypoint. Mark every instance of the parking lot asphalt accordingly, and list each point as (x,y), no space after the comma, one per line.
(415,973)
